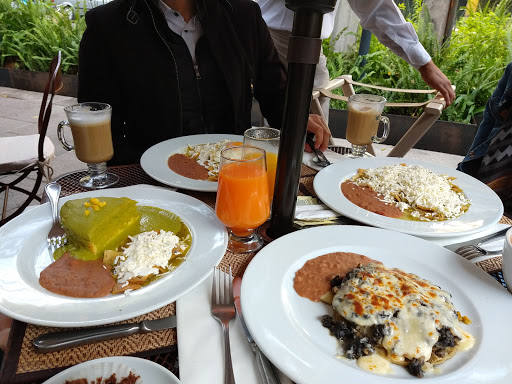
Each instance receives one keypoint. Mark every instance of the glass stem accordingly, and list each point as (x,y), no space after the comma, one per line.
(358,150)
(97,170)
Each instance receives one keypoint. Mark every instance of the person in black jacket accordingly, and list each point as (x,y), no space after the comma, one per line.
(171,68)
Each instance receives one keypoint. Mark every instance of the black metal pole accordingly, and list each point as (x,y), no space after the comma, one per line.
(303,53)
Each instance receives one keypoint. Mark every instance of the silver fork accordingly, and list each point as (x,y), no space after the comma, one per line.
(57,235)
(471,251)
(223,309)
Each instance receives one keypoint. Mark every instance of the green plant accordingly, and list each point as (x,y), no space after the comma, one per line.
(32,33)
(474,59)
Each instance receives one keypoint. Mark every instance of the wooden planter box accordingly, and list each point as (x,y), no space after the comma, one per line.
(36,81)
(443,136)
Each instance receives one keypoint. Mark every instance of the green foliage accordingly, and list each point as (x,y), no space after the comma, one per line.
(32,33)
(474,59)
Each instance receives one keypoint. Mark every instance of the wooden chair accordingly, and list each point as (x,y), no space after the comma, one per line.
(26,158)
(431,113)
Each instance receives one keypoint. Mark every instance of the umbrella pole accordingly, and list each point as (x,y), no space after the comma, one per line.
(303,53)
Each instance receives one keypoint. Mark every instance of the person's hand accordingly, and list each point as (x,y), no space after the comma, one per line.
(436,79)
(319,128)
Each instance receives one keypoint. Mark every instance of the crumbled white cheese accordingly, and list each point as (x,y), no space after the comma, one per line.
(145,252)
(207,155)
(413,186)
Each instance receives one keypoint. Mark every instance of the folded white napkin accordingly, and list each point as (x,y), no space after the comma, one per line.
(200,343)
(308,208)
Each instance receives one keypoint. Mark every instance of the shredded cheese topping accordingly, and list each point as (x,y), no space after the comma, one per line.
(207,155)
(413,188)
(147,253)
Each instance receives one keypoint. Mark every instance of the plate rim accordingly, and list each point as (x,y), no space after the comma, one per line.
(273,348)
(127,360)
(329,176)
(38,216)
(152,160)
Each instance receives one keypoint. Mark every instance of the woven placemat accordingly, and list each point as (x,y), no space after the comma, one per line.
(31,361)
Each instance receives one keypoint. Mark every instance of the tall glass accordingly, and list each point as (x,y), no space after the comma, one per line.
(267,139)
(364,116)
(242,196)
(92,138)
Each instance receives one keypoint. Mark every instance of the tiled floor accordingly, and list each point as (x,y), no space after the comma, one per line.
(19,112)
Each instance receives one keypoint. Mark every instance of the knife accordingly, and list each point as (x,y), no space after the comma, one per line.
(265,367)
(57,341)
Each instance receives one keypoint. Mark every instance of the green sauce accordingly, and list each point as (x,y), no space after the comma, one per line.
(151,219)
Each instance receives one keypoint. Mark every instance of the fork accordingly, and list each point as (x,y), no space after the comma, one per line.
(471,251)
(57,235)
(223,310)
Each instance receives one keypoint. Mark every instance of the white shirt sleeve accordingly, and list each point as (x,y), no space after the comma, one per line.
(386,22)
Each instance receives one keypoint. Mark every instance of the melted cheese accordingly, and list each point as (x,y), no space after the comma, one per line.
(145,253)
(412,187)
(374,363)
(411,309)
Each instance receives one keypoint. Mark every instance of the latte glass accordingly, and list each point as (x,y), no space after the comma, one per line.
(364,116)
(92,139)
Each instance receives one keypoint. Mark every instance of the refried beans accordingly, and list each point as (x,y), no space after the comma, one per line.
(368,199)
(77,278)
(187,167)
(312,281)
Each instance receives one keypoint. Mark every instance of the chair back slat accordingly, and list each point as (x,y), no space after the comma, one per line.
(54,85)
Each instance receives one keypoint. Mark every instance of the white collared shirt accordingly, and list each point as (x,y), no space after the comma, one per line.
(190,32)
(382,17)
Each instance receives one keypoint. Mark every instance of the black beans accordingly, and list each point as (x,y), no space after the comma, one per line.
(415,367)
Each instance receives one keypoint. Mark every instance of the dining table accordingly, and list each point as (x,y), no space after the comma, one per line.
(24,364)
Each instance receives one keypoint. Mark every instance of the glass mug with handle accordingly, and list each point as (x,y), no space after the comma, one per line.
(92,138)
(243,203)
(268,139)
(364,116)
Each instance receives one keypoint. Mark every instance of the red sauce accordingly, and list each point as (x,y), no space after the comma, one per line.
(77,278)
(370,200)
(187,167)
(313,279)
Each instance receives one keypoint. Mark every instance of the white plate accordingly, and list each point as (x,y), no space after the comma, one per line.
(24,254)
(486,207)
(149,372)
(154,161)
(288,330)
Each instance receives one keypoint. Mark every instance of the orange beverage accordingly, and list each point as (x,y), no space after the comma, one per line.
(271,173)
(242,197)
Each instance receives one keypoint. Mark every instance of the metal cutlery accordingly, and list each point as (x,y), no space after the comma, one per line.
(223,310)
(57,341)
(471,251)
(57,235)
(265,367)
(320,159)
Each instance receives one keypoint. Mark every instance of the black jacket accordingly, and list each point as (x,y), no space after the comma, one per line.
(129,65)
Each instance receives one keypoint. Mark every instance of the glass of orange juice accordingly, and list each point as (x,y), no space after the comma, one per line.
(268,139)
(243,202)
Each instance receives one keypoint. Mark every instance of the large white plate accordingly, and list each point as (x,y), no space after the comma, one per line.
(24,254)
(486,207)
(154,161)
(287,327)
(149,372)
